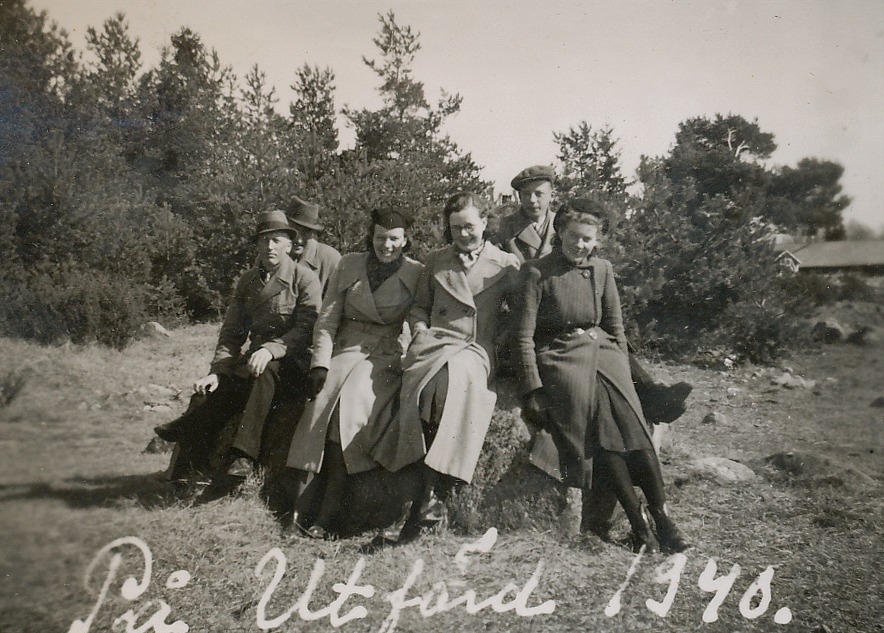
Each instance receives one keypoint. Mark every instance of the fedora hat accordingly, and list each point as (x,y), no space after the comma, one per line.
(274,220)
(304,213)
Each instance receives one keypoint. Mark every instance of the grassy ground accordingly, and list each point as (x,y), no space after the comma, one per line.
(73,478)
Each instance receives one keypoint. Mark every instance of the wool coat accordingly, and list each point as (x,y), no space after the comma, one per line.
(359,338)
(569,329)
(322,259)
(277,315)
(517,235)
(462,309)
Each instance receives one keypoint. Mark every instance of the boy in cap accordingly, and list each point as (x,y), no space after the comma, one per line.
(274,305)
(318,257)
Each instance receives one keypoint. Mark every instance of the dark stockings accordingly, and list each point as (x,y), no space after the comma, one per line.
(334,471)
(620,473)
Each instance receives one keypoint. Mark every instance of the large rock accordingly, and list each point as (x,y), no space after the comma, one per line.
(866,336)
(828,331)
(153,329)
(723,470)
(791,381)
(815,469)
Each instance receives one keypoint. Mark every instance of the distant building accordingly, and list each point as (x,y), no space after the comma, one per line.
(864,257)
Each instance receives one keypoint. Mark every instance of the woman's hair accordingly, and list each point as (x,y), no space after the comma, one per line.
(369,238)
(590,210)
(463,200)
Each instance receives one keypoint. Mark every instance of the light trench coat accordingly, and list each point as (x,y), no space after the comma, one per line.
(359,337)
(463,309)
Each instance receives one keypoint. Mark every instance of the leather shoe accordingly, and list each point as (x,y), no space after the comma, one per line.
(318,532)
(670,537)
(240,467)
(643,536)
(399,528)
(432,511)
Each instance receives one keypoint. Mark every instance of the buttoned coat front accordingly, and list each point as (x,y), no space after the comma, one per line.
(277,315)
(359,338)
(569,328)
(462,309)
(517,235)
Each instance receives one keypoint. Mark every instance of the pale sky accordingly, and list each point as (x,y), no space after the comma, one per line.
(810,72)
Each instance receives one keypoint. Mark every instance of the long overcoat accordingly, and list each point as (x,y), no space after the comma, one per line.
(359,338)
(569,327)
(462,309)
(517,235)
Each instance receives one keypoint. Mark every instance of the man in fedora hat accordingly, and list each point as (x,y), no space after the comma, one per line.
(318,257)
(274,306)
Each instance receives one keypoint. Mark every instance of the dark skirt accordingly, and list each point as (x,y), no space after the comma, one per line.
(616,427)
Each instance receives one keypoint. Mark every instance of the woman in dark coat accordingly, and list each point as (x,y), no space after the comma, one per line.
(575,370)
(355,370)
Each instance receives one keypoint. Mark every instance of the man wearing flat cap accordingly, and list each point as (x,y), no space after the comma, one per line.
(528,232)
(318,257)
(274,306)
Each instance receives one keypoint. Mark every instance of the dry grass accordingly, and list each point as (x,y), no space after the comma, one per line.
(73,478)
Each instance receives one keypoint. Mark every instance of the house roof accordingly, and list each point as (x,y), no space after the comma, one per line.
(837,254)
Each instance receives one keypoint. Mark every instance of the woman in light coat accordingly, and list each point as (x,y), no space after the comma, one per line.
(355,370)
(447,397)
(575,372)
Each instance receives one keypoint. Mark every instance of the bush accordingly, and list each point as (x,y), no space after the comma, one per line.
(74,305)
(853,288)
(757,333)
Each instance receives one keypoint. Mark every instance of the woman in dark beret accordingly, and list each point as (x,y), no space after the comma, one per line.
(355,370)
(448,394)
(572,354)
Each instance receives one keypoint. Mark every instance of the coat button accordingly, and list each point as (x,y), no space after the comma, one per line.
(593,335)
(585,273)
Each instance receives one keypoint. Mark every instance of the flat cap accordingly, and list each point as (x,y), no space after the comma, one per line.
(531,174)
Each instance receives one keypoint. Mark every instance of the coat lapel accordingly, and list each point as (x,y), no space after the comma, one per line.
(310,256)
(452,278)
(279,281)
(485,272)
(353,276)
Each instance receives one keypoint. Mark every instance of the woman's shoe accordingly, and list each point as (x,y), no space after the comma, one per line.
(670,537)
(643,536)
(395,532)
(318,532)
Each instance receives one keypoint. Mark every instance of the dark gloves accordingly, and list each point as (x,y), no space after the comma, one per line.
(536,409)
(316,378)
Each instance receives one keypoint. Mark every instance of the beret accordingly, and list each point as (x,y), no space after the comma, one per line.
(531,174)
(392,218)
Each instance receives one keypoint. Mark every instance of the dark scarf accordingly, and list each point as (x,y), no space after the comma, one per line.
(378,272)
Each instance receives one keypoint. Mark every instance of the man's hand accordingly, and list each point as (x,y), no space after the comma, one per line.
(258,362)
(316,381)
(206,385)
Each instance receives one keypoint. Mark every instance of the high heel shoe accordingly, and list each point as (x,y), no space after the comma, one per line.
(670,537)
(643,536)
